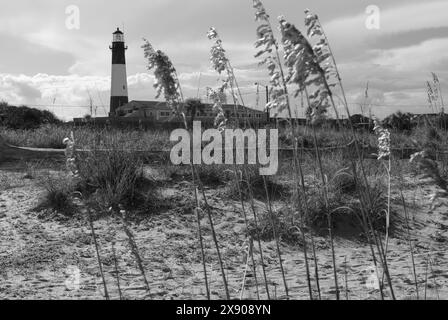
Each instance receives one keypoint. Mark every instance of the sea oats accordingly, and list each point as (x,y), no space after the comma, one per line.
(383,140)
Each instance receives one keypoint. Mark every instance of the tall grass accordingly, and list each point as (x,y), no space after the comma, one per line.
(51,136)
(221,63)
(168,84)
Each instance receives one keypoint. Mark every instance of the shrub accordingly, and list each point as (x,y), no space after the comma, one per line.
(399,121)
(58,195)
(25,118)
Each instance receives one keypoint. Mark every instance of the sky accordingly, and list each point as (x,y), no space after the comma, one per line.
(46,64)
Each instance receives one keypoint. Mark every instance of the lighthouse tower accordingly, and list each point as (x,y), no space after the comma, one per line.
(119,87)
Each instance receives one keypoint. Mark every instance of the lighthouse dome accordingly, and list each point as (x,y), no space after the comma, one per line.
(118,36)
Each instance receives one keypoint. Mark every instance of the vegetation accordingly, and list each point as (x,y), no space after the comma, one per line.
(51,136)
(399,121)
(193,106)
(24,117)
(58,194)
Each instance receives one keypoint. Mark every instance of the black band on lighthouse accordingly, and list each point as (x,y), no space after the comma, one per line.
(118,53)
(116,102)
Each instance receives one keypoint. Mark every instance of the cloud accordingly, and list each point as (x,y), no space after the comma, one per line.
(27,92)
(42,62)
(408,38)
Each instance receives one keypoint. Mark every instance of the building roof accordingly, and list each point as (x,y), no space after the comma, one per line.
(146,105)
(118,31)
(162,105)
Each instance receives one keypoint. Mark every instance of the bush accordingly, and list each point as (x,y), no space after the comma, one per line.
(399,121)
(24,117)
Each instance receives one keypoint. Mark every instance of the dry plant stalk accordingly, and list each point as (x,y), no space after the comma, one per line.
(215,239)
(222,64)
(346,278)
(279,96)
(436,285)
(304,70)
(260,248)
(98,257)
(201,244)
(384,152)
(248,255)
(71,163)
(117,271)
(316,267)
(167,82)
(411,249)
(276,237)
(324,56)
(134,247)
(254,267)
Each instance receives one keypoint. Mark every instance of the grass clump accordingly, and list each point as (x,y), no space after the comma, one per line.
(213,175)
(344,206)
(251,182)
(115,177)
(283,224)
(47,136)
(58,195)
(210,175)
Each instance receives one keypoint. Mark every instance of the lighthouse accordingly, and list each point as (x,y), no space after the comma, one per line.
(119,86)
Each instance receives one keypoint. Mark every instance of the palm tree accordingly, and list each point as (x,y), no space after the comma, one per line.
(192,106)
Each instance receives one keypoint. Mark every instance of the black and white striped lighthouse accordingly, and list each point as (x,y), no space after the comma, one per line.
(119,87)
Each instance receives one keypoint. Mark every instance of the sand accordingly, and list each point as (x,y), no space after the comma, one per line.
(49,256)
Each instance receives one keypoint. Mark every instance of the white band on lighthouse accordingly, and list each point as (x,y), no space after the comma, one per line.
(119,81)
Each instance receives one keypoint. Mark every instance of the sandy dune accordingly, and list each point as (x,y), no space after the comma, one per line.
(39,251)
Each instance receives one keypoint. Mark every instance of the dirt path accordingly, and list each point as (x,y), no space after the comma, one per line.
(43,257)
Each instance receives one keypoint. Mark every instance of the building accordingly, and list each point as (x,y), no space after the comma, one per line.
(156,114)
(161,112)
(119,84)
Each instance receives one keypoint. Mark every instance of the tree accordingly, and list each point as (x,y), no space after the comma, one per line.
(192,107)
(361,122)
(399,121)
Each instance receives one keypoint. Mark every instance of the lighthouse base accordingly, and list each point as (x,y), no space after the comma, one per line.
(115,103)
